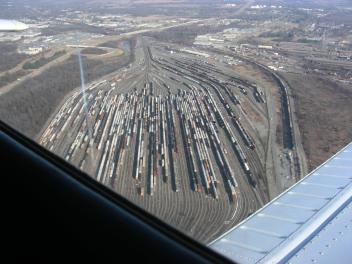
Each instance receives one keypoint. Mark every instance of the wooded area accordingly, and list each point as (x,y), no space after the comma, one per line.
(33,101)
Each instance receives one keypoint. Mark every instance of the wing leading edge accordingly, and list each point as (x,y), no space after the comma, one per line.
(309,222)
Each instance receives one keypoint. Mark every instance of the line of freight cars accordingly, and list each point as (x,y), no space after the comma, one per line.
(166,122)
(216,144)
(241,156)
(259,94)
(196,70)
(195,134)
(150,121)
(139,116)
(242,131)
(244,134)
(64,120)
(231,136)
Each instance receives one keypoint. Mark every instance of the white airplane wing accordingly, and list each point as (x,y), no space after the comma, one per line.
(309,223)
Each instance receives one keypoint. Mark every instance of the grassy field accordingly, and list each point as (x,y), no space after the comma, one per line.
(324,115)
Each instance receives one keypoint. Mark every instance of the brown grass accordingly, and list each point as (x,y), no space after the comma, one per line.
(324,111)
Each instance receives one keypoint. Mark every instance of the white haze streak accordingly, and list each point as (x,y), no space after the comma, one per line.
(244,7)
(83,89)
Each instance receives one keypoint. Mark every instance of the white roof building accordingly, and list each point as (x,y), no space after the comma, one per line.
(12,25)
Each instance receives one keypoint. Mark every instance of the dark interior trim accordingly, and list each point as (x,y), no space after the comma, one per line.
(53,210)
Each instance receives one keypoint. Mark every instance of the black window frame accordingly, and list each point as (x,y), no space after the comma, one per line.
(19,159)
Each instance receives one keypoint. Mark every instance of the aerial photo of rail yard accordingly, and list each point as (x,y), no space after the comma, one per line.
(200,112)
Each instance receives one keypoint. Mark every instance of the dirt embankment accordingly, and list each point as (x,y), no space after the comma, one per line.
(324,112)
(93,51)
